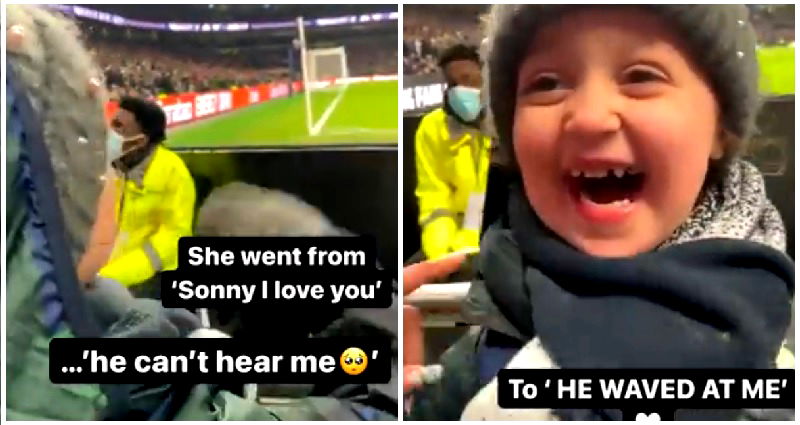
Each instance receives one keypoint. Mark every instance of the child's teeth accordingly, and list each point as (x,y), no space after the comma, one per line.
(619,172)
(595,174)
(622,203)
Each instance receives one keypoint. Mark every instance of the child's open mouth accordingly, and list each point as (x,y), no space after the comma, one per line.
(606,195)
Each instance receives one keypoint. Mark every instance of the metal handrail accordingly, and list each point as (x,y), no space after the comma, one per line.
(438,296)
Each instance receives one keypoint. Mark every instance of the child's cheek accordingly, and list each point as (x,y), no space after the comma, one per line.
(673,140)
(535,133)
(671,137)
(538,155)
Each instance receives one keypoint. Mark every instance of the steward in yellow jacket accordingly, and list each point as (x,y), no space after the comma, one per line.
(452,159)
(153,200)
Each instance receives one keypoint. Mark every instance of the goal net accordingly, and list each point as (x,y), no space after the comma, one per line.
(327,64)
(325,76)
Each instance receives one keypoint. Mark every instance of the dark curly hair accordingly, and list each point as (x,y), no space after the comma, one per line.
(459,52)
(149,116)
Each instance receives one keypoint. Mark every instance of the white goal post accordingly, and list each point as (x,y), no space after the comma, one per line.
(321,68)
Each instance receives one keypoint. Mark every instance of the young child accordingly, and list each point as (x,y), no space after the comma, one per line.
(634,236)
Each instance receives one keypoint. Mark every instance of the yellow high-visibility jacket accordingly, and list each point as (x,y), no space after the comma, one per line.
(154,208)
(452,163)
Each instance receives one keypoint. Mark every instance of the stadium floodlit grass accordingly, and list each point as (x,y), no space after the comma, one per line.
(366,113)
(776,66)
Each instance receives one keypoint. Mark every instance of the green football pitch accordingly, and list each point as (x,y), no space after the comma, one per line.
(776,66)
(359,113)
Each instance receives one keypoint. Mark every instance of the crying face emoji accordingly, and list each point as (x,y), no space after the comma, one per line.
(353,361)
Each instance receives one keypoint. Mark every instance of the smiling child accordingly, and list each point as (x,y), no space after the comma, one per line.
(634,235)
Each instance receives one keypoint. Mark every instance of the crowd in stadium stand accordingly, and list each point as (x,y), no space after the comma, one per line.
(138,69)
(372,56)
(774,24)
(142,71)
(428,30)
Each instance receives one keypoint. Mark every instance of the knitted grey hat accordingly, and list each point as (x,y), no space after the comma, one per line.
(720,37)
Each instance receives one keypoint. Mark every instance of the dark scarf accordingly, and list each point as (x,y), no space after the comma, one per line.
(707,303)
(128,162)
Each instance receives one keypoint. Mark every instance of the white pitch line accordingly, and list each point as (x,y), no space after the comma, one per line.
(327,114)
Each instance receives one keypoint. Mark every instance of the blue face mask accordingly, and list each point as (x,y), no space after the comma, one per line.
(113,146)
(115,143)
(465,102)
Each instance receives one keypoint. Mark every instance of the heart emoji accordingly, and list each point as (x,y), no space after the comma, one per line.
(653,417)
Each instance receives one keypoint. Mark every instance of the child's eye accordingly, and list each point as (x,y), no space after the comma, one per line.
(643,75)
(643,81)
(542,83)
(544,89)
